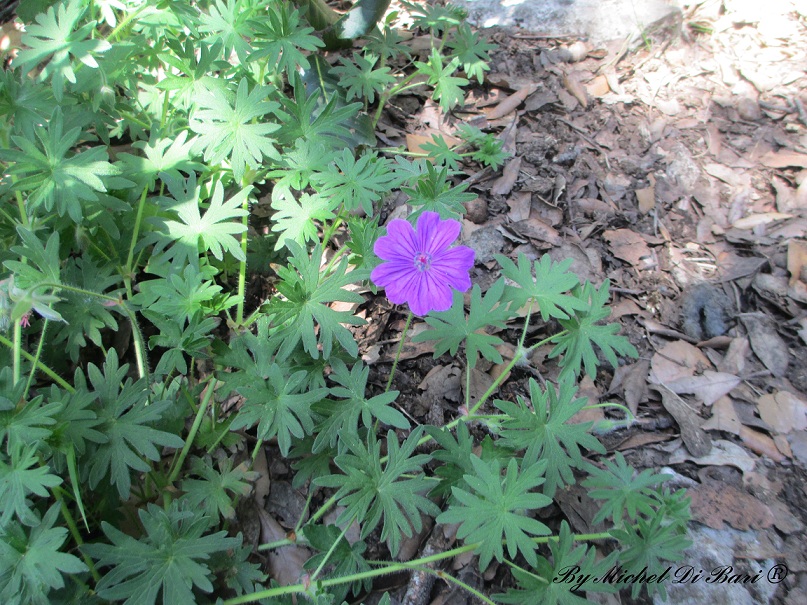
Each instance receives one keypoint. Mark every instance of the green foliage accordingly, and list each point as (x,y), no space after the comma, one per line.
(32,563)
(546,434)
(451,328)
(372,491)
(583,331)
(191,199)
(169,558)
(495,509)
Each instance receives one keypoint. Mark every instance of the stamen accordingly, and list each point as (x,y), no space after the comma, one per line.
(423,261)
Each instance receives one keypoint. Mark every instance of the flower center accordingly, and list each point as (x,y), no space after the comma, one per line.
(423,261)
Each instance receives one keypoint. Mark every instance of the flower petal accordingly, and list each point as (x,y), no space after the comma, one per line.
(427,229)
(453,265)
(443,236)
(400,241)
(389,273)
(440,296)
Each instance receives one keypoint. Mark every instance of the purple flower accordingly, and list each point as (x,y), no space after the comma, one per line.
(421,269)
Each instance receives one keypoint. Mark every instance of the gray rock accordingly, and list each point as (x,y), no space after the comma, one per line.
(596,20)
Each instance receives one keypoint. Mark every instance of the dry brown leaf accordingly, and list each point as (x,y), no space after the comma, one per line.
(677,359)
(766,343)
(590,391)
(708,387)
(594,207)
(635,385)
(510,103)
(713,505)
(756,220)
(629,246)
(697,441)
(536,229)
(504,184)
(572,83)
(285,563)
(796,259)
(647,196)
(760,443)
(784,520)
(598,87)
(734,360)
(783,412)
(724,417)
(724,453)
(519,204)
(784,159)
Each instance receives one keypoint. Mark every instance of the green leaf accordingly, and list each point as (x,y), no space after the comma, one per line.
(276,404)
(456,456)
(364,232)
(282,38)
(20,475)
(307,293)
(231,131)
(165,158)
(371,491)
(347,559)
(450,328)
(57,178)
(169,558)
(214,232)
(180,296)
(231,23)
(447,88)
(179,340)
(361,18)
(294,219)
(583,331)
(387,43)
(441,153)
(435,17)
(212,492)
(546,290)
(572,569)
(342,415)
(56,36)
(27,423)
(127,425)
(361,79)
(434,193)
(623,490)
(496,510)
(355,183)
(31,565)
(471,52)
(545,432)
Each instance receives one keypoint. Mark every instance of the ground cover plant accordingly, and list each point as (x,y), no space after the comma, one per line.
(138,140)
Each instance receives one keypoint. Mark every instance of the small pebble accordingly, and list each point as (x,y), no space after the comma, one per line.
(477,210)
(748,109)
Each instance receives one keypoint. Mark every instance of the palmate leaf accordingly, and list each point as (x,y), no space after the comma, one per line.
(546,289)
(231,23)
(216,489)
(471,52)
(214,232)
(56,177)
(447,88)
(371,490)
(194,65)
(553,583)
(282,38)
(165,158)
(450,328)
(545,431)
(230,131)
(31,564)
(180,340)
(275,403)
(347,558)
(355,183)
(171,557)
(54,35)
(342,415)
(495,511)
(360,78)
(127,418)
(623,490)
(20,475)
(583,331)
(294,219)
(433,192)
(306,294)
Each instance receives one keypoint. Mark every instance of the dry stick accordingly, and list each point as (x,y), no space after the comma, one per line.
(420,585)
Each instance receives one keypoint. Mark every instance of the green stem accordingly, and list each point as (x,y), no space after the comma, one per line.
(126,21)
(71,525)
(197,422)
(36,359)
(390,568)
(242,265)
(330,551)
(41,366)
(128,269)
(398,354)
(16,352)
(399,87)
